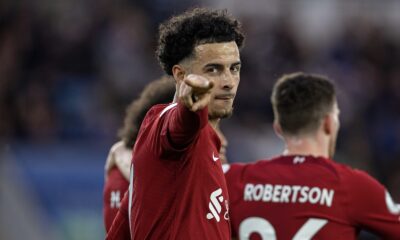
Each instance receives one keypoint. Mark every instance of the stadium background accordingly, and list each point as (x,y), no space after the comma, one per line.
(69,68)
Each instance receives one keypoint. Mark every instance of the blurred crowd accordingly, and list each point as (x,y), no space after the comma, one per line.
(68,69)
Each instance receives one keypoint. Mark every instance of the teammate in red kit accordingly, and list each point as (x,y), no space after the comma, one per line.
(178,188)
(304,194)
(118,162)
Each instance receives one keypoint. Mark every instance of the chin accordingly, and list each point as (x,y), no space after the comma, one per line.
(220,113)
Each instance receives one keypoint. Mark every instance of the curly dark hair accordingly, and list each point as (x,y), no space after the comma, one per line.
(179,35)
(156,92)
(300,101)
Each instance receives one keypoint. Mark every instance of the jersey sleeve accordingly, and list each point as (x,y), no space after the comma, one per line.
(181,126)
(120,228)
(371,206)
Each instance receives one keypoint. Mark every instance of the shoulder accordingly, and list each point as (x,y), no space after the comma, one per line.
(110,162)
(159,110)
(117,146)
(354,176)
(232,168)
(354,179)
(238,170)
(341,172)
(155,113)
(362,190)
(120,153)
(164,108)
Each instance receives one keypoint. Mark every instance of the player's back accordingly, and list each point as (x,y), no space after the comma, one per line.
(297,197)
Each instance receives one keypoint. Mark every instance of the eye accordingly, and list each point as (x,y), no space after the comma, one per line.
(212,70)
(235,68)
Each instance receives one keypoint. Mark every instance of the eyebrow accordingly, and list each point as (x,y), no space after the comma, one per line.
(219,65)
(236,63)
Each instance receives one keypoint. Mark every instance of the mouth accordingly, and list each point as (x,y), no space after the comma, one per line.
(228,96)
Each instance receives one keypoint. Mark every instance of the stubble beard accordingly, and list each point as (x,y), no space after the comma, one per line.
(219,114)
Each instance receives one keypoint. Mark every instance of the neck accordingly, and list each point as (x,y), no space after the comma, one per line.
(214,122)
(306,145)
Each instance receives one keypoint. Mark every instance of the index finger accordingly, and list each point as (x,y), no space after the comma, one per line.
(198,82)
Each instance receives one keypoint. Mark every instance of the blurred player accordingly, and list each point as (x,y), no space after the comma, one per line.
(179,190)
(304,194)
(118,163)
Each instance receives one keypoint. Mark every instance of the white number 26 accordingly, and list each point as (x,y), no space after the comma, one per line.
(267,231)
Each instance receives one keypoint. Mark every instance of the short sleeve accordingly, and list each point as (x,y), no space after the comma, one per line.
(371,206)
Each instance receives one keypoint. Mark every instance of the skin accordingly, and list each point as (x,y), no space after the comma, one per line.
(119,156)
(224,146)
(321,142)
(209,78)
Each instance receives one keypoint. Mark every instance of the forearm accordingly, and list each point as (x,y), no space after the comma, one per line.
(183,125)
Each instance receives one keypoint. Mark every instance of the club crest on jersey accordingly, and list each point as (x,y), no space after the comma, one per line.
(214,205)
(226,215)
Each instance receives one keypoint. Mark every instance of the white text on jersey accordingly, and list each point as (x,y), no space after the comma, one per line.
(288,194)
(115,199)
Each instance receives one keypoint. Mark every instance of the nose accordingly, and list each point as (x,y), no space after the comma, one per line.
(228,81)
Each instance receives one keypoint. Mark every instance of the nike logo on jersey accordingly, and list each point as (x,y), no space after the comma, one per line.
(392,207)
(215,158)
(214,205)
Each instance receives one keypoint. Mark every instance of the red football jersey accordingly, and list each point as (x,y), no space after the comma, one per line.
(116,180)
(179,189)
(114,188)
(298,197)
(120,229)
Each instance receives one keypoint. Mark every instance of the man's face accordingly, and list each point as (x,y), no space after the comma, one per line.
(219,63)
(336,126)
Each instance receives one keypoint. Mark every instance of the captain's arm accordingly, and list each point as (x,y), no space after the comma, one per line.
(182,126)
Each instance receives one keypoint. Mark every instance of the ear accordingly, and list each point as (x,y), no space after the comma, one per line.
(278,129)
(178,72)
(327,124)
